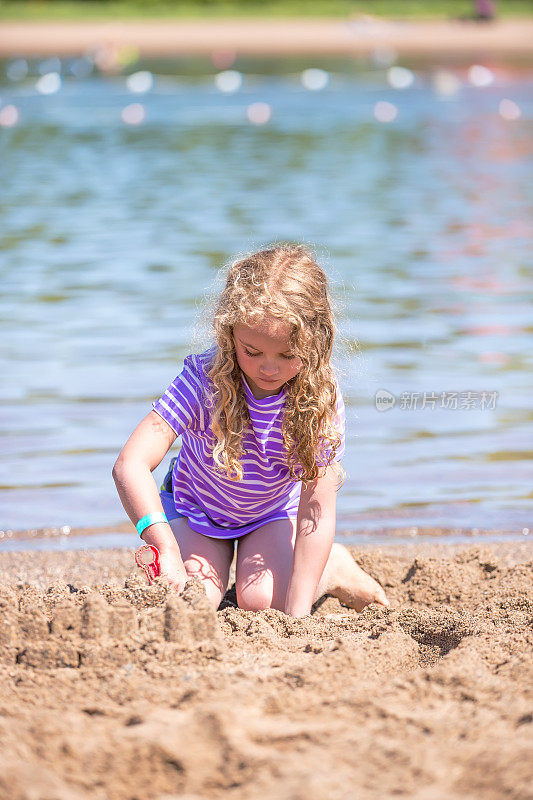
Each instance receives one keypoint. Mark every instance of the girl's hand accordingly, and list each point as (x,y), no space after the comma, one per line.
(172,569)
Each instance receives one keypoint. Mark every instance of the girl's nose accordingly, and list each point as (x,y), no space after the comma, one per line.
(268,370)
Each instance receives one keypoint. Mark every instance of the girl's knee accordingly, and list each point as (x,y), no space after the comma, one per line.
(253,598)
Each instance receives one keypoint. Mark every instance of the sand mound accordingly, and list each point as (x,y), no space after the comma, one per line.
(123,690)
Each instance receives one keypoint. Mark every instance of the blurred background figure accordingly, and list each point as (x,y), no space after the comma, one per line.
(485,10)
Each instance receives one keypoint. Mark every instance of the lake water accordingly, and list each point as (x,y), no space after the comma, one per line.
(111,233)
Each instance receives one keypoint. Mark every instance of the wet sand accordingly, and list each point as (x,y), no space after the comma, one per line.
(113,689)
(356,36)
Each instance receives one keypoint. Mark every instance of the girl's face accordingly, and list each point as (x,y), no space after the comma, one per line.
(265,356)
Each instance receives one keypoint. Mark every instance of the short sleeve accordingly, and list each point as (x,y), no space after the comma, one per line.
(181,405)
(340,424)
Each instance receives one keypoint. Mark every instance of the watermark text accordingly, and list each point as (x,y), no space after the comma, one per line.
(453,400)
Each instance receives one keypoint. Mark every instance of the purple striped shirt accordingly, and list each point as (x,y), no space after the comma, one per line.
(215,505)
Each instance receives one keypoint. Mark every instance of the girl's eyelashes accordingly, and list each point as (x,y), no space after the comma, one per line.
(248,353)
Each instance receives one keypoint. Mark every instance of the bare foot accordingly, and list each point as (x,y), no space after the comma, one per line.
(350,584)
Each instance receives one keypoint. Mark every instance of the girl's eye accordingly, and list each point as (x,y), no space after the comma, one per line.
(252,355)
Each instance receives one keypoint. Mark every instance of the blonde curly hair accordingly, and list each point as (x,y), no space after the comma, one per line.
(282,282)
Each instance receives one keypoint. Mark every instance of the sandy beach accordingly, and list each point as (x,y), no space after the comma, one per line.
(113,689)
(356,36)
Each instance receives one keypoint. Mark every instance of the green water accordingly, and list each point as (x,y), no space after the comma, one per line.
(111,234)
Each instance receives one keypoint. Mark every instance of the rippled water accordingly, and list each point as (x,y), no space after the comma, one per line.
(111,234)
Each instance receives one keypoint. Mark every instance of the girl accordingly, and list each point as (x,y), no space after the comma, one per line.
(262,425)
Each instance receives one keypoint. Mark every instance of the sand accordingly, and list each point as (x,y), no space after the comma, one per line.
(114,689)
(357,36)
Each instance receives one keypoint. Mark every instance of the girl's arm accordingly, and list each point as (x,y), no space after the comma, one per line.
(142,453)
(315,530)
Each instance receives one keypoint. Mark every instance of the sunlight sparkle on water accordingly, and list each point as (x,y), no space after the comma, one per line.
(509,109)
(9,116)
(49,83)
(259,113)
(140,82)
(133,114)
(314,79)
(480,76)
(400,77)
(385,112)
(228,81)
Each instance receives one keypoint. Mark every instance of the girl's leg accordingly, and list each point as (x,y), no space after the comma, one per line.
(264,565)
(206,558)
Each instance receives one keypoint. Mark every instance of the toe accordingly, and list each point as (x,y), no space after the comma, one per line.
(381,598)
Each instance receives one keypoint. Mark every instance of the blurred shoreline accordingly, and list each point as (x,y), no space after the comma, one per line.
(357,36)
(124,536)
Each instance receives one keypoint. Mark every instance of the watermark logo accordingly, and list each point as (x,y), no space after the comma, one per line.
(419,401)
(384,400)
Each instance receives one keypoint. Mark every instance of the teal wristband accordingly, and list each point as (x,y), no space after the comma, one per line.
(150,519)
